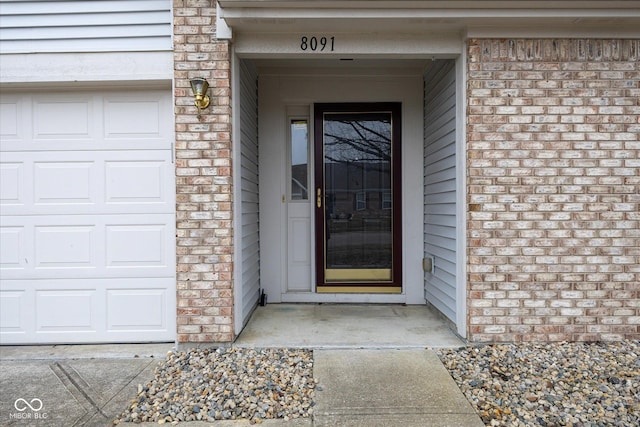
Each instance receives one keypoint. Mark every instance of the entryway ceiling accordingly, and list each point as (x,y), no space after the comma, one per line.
(333,64)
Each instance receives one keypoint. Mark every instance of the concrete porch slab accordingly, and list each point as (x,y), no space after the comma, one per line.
(347,326)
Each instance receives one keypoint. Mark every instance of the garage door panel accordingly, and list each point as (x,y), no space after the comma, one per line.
(148,118)
(13,250)
(140,246)
(100,182)
(11,183)
(66,310)
(118,120)
(64,182)
(60,119)
(136,309)
(65,247)
(11,126)
(87,310)
(12,311)
(135,181)
(90,246)
(136,246)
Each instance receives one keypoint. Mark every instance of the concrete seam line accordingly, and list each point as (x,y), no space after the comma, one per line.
(74,378)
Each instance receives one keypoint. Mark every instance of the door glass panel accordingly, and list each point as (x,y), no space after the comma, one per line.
(299,131)
(358,189)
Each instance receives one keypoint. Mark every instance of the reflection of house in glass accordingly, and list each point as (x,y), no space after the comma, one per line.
(299,185)
(358,214)
(360,191)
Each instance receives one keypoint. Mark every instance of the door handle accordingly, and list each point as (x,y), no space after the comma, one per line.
(319,198)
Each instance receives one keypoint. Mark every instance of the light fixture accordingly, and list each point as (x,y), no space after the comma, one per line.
(199,87)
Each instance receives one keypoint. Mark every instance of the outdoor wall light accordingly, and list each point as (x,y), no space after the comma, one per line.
(199,87)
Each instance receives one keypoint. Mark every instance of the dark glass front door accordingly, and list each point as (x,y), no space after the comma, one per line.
(357,192)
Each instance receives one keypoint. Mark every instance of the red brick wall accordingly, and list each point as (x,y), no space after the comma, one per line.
(553,139)
(203,179)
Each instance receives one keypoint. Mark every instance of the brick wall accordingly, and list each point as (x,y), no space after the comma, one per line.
(553,185)
(203,179)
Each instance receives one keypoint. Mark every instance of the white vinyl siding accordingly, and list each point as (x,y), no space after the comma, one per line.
(85,26)
(440,185)
(249,189)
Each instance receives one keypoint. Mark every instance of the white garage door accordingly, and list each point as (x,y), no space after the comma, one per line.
(87,243)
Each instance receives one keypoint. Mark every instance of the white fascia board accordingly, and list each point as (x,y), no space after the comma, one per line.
(428,4)
(266,13)
(619,32)
(83,67)
(355,16)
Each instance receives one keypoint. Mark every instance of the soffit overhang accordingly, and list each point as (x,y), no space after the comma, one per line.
(615,18)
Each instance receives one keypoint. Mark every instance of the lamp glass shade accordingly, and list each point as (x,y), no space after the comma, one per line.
(199,86)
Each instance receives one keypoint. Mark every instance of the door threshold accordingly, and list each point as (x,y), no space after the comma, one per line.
(358,289)
(340,298)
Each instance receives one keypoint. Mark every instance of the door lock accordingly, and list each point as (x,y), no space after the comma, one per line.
(319,198)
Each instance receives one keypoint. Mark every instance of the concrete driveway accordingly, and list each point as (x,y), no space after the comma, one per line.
(67,385)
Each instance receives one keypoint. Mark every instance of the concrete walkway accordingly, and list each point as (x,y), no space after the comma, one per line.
(92,385)
(387,388)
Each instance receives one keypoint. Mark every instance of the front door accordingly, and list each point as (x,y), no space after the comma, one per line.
(358,197)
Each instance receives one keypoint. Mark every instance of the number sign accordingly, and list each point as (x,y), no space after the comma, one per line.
(317,44)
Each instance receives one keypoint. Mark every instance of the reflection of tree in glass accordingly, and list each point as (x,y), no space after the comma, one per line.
(357,175)
(357,137)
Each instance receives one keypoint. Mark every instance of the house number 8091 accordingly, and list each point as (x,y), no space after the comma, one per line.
(317,44)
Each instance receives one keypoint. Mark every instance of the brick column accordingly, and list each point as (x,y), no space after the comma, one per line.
(203,179)
(554,185)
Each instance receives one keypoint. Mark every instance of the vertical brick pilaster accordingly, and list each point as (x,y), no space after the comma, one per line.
(203,178)
(553,137)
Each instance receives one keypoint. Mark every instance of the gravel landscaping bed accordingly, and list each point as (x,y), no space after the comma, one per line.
(558,384)
(525,384)
(227,384)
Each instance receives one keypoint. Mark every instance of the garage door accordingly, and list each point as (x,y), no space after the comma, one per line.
(87,225)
